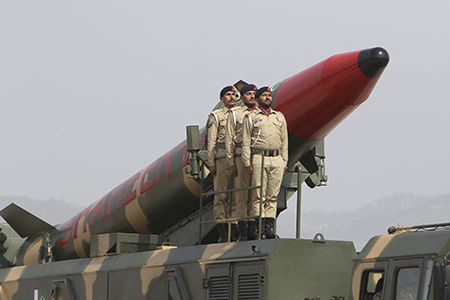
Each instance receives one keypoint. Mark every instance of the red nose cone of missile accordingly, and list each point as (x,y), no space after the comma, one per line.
(317,99)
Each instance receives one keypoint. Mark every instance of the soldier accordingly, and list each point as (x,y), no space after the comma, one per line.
(265,130)
(234,155)
(219,167)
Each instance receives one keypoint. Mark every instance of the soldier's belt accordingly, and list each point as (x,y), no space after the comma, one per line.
(221,146)
(267,152)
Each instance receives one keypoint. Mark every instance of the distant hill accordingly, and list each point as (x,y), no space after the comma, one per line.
(52,211)
(371,219)
(357,226)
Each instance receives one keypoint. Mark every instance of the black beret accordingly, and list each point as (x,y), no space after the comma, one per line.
(262,90)
(248,87)
(226,90)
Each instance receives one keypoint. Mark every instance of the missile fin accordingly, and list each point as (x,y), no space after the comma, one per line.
(23,222)
(240,84)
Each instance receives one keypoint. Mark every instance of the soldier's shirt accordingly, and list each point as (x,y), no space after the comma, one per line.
(234,130)
(264,132)
(216,132)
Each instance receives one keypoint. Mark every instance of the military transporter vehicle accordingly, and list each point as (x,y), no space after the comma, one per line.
(153,236)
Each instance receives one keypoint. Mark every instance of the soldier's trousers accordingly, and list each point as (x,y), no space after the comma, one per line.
(240,199)
(273,175)
(221,183)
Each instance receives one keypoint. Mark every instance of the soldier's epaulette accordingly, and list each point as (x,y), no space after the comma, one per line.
(213,114)
(249,113)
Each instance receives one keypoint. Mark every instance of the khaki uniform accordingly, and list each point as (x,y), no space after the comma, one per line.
(262,133)
(233,144)
(217,157)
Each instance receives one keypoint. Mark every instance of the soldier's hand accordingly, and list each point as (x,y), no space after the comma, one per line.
(212,170)
(233,171)
(249,170)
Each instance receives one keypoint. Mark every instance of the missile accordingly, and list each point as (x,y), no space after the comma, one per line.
(160,195)
(316,100)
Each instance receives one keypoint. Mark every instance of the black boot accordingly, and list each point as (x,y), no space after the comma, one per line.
(223,232)
(268,228)
(234,232)
(252,231)
(243,228)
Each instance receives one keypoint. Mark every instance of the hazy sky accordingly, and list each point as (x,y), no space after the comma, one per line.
(93,91)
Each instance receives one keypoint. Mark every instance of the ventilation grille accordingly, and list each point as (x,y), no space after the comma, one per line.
(248,287)
(219,288)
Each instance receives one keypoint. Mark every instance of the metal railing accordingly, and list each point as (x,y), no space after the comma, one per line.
(230,192)
(198,170)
